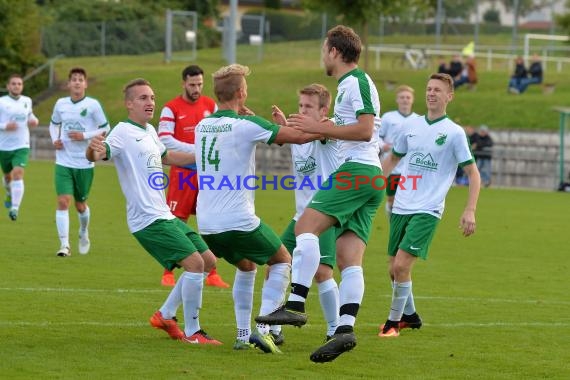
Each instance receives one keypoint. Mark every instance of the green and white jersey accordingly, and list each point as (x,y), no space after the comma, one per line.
(432,150)
(313,163)
(357,95)
(137,153)
(225,157)
(391,127)
(18,110)
(86,116)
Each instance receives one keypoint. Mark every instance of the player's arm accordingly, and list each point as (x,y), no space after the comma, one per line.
(55,134)
(360,131)
(287,135)
(468,217)
(166,127)
(97,149)
(178,158)
(389,163)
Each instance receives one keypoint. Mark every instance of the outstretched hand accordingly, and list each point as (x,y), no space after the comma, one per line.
(306,124)
(96,143)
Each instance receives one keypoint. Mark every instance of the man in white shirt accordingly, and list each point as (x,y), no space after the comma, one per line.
(390,131)
(138,155)
(431,147)
(75,119)
(16,117)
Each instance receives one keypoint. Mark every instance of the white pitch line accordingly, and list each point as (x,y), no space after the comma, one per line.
(7,324)
(165,290)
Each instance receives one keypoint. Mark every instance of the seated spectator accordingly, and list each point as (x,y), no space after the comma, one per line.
(469,73)
(535,72)
(455,66)
(443,68)
(519,74)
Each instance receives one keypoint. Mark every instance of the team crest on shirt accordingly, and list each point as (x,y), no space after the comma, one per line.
(440,140)
(306,166)
(83,112)
(339,97)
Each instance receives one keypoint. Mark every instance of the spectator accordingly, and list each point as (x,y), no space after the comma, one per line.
(482,151)
(535,72)
(519,74)
(455,66)
(461,179)
(469,73)
(443,68)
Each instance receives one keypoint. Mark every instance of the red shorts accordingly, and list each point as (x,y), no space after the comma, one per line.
(182,192)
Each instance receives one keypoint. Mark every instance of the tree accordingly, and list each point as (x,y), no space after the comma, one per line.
(492,16)
(19,37)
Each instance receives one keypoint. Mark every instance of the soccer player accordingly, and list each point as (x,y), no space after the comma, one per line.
(16,117)
(431,148)
(225,157)
(313,163)
(138,155)
(75,119)
(178,120)
(390,130)
(349,204)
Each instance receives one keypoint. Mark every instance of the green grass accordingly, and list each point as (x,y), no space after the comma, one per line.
(287,67)
(495,305)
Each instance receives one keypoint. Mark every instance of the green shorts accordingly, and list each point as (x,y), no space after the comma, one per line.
(349,200)
(9,159)
(412,233)
(393,180)
(327,243)
(170,241)
(258,245)
(76,182)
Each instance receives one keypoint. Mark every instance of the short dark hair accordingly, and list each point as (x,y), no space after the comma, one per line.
(346,41)
(192,71)
(15,75)
(77,70)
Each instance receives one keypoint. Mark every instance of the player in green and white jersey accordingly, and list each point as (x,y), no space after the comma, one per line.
(351,202)
(138,155)
(225,158)
(390,130)
(75,119)
(431,148)
(16,117)
(313,163)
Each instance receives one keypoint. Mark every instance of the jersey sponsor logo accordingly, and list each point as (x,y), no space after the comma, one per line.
(423,161)
(307,166)
(440,140)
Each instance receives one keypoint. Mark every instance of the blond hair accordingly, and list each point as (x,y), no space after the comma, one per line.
(135,82)
(319,90)
(403,88)
(228,80)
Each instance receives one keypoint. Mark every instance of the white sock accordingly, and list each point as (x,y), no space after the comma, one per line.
(173,301)
(62,223)
(84,220)
(274,288)
(17,192)
(400,295)
(329,297)
(192,285)
(351,291)
(410,307)
(306,257)
(242,292)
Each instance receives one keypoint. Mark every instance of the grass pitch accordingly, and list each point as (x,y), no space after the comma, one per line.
(495,305)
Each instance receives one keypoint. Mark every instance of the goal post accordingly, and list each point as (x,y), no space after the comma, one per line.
(181,35)
(547,37)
